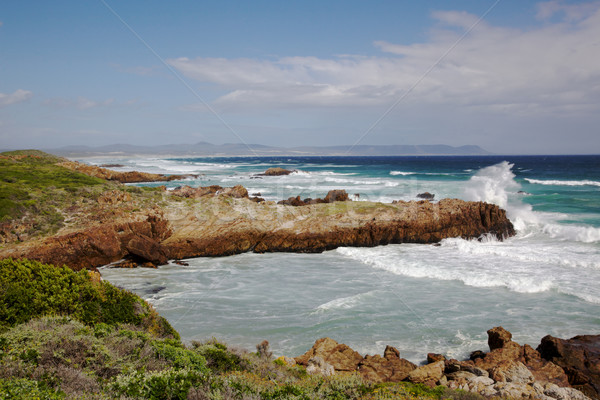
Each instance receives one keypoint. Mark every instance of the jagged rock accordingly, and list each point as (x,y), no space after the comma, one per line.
(543,370)
(430,373)
(147,248)
(433,357)
(579,357)
(477,354)
(340,356)
(426,196)
(292,201)
(563,393)
(498,337)
(389,368)
(317,366)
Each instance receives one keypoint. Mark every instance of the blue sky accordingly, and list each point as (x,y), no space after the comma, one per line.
(511,76)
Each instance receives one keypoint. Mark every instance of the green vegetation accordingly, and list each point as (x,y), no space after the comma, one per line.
(30,289)
(38,196)
(33,186)
(96,341)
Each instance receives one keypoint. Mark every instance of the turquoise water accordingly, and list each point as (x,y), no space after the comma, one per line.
(419,298)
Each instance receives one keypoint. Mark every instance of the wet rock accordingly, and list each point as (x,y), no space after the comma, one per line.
(276,171)
(579,357)
(425,196)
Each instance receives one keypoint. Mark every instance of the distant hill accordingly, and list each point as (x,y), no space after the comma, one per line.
(239,149)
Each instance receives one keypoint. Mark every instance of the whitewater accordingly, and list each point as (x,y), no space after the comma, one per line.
(418,298)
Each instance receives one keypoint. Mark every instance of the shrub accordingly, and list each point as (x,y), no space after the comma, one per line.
(30,289)
(158,385)
(27,389)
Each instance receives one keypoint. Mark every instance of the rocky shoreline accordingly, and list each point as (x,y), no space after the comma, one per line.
(226,222)
(557,369)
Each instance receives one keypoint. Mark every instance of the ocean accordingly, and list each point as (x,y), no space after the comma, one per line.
(418,298)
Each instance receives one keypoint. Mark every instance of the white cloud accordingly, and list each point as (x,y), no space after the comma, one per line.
(17,97)
(81,103)
(552,68)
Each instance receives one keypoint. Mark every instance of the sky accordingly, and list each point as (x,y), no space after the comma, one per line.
(514,77)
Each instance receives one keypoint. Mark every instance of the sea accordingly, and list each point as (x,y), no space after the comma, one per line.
(417,298)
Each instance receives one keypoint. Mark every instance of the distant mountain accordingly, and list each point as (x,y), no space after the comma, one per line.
(238,149)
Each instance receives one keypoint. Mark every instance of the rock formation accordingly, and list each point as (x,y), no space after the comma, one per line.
(123,177)
(276,171)
(332,195)
(580,359)
(224,221)
(507,371)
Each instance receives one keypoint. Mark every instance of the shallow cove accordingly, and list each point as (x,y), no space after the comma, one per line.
(294,299)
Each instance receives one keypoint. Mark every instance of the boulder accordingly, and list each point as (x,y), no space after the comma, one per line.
(498,337)
(389,368)
(579,357)
(428,374)
(147,248)
(426,196)
(276,171)
(336,195)
(340,356)
(511,371)
(433,357)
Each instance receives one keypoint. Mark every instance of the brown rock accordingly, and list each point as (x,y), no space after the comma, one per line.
(147,248)
(498,337)
(427,373)
(340,356)
(579,357)
(238,192)
(389,368)
(276,171)
(543,370)
(336,195)
(434,357)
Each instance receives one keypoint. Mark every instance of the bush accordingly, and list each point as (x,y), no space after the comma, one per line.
(30,289)
(27,389)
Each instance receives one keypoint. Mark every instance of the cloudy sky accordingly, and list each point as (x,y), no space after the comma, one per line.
(511,76)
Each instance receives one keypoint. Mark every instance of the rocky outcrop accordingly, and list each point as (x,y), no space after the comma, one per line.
(275,171)
(389,368)
(339,356)
(100,245)
(507,371)
(580,359)
(213,227)
(332,195)
(238,191)
(224,221)
(426,196)
(123,177)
